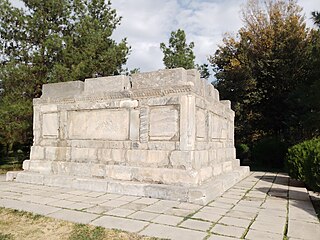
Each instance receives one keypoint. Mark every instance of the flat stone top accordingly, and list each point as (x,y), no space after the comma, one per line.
(160,79)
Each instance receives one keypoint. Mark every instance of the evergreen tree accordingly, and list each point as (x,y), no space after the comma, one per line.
(178,53)
(52,41)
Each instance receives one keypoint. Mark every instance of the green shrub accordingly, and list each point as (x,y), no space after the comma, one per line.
(269,152)
(243,151)
(303,163)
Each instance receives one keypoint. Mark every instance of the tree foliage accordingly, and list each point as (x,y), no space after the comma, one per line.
(178,53)
(52,41)
(316,18)
(268,70)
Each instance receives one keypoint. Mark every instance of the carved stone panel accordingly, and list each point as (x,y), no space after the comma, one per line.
(164,123)
(50,125)
(103,124)
(201,123)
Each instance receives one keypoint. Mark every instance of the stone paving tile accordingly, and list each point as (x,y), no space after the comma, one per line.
(61,203)
(196,224)
(303,230)
(128,198)
(156,208)
(63,196)
(207,216)
(146,216)
(167,219)
(255,234)
(189,206)
(271,219)
(306,205)
(179,212)
(238,222)
(94,194)
(227,200)
(26,206)
(240,214)
(134,206)
(114,203)
(246,209)
(274,212)
(249,203)
(221,205)
(167,203)
(230,231)
(98,209)
(79,198)
(214,210)
(174,233)
(302,215)
(272,227)
(146,201)
(120,212)
(78,192)
(74,216)
(220,237)
(125,224)
(47,193)
(80,206)
(98,200)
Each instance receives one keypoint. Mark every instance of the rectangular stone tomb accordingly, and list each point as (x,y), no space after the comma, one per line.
(162,134)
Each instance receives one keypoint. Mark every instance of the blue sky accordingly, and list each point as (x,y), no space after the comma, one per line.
(146,23)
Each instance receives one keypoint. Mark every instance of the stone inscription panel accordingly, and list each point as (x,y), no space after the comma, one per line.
(50,125)
(201,123)
(164,123)
(102,124)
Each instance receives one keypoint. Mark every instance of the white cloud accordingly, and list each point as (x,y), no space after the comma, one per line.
(146,23)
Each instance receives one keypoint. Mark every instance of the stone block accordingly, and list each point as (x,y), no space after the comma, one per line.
(37,153)
(164,123)
(134,125)
(159,79)
(201,159)
(62,89)
(83,154)
(201,129)
(106,84)
(182,159)
(26,165)
(11,175)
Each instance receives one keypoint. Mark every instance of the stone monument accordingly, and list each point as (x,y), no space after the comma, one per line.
(162,134)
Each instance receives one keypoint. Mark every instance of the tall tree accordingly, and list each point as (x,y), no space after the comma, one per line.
(264,67)
(178,53)
(52,41)
(316,18)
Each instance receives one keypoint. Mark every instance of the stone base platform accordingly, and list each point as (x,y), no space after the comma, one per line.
(199,195)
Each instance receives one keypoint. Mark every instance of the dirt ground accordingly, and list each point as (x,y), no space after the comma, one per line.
(23,225)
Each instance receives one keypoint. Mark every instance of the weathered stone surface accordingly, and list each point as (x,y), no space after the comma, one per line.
(164,123)
(63,89)
(99,124)
(50,125)
(162,134)
(106,84)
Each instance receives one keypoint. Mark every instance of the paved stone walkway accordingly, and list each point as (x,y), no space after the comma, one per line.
(262,206)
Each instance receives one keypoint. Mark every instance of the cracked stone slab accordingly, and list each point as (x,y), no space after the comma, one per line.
(174,233)
(125,224)
(74,216)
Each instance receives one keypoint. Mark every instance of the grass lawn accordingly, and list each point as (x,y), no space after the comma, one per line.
(18,225)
